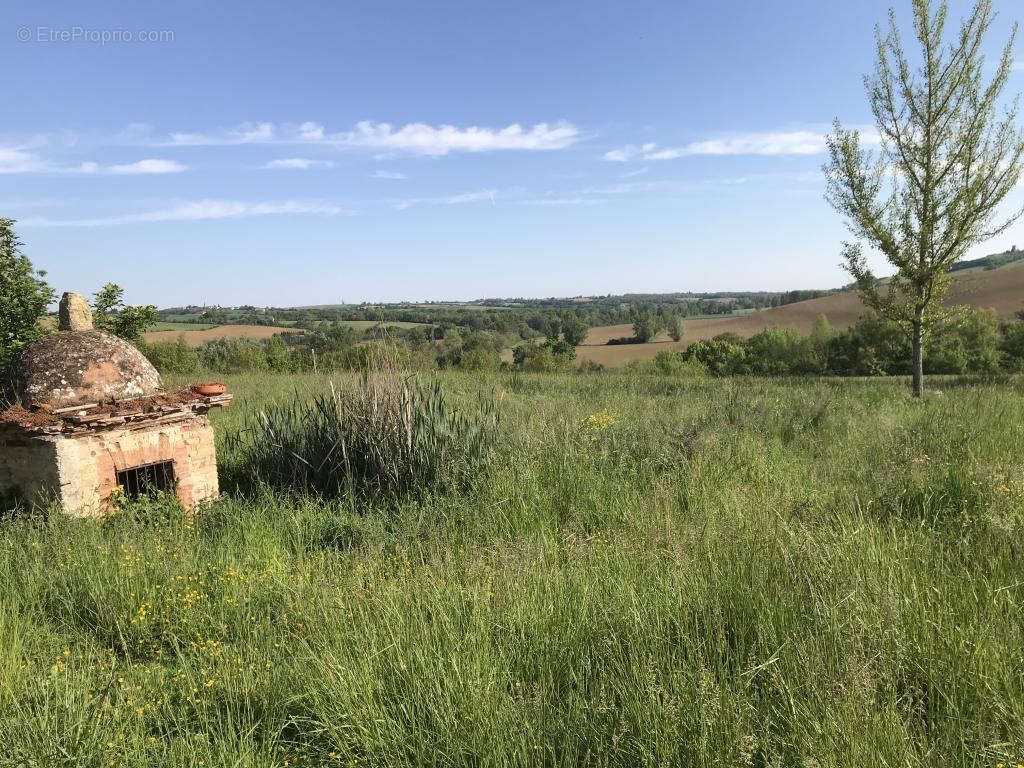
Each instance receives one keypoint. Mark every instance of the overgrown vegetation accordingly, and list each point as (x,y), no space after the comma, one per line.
(385,436)
(973,341)
(655,572)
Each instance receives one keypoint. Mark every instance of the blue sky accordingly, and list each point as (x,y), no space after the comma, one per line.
(270,154)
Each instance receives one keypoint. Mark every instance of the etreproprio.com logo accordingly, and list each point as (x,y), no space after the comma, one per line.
(76,34)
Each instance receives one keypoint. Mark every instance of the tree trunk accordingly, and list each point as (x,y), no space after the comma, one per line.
(918,383)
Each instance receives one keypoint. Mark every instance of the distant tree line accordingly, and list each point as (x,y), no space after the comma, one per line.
(974,342)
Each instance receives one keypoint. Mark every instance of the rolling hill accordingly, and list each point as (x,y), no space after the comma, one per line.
(998,289)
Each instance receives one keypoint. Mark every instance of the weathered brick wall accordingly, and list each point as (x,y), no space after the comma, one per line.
(28,467)
(83,469)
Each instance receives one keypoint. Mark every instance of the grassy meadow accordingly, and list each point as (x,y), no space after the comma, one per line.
(649,572)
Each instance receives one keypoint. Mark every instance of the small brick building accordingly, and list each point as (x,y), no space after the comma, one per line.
(93,417)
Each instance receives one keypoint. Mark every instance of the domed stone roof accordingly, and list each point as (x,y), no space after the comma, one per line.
(76,367)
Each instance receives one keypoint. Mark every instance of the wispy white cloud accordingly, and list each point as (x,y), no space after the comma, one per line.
(771,143)
(633,174)
(139,168)
(625,154)
(246,133)
(298,163)
(559,201)
(19,161)
(395,175)
(668,187)
(777,143)
(202,210)
(1018,66)
(634,187)
(479,196)
(418,138)
(471,197)
(429,140)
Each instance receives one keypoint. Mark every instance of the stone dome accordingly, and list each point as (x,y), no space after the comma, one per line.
(76,367)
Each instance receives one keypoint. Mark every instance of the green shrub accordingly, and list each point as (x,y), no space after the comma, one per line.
(674,362)
(782,352)
(171,356)
(549,357)
(722,356)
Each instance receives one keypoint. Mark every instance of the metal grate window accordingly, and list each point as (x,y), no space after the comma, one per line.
(147,479)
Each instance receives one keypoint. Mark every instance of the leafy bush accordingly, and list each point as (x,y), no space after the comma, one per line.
(1011,347)
(782,352)
(721,356)
(171,356)
(385,437)
(875,346)
(477,352)
(544,358)
(674,362)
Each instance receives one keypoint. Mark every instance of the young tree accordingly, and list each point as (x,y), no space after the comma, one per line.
(24,297)
(646,325)
(574,330)
(675,327)
(946,162)
(111,314)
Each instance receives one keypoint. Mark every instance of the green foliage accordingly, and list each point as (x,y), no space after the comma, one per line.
(822,331)
(873,346)
(234,356)
(1011,346)
(675,327)
(549,357)
(24,297)
(385,437)
(111,314)
(675,362)
(722,356)
(947,161)
(417,338)
(474,352)
(574,331)
(781,352)
(646,326)
(968,342)
(171,356)
(972,342)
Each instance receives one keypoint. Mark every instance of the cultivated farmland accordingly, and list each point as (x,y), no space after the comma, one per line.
(1000,289)
(204,334)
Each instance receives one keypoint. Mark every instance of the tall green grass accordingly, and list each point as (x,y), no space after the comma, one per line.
(388,435)
(649,572)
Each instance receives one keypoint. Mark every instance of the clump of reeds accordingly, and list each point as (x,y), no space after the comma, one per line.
(389,435)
